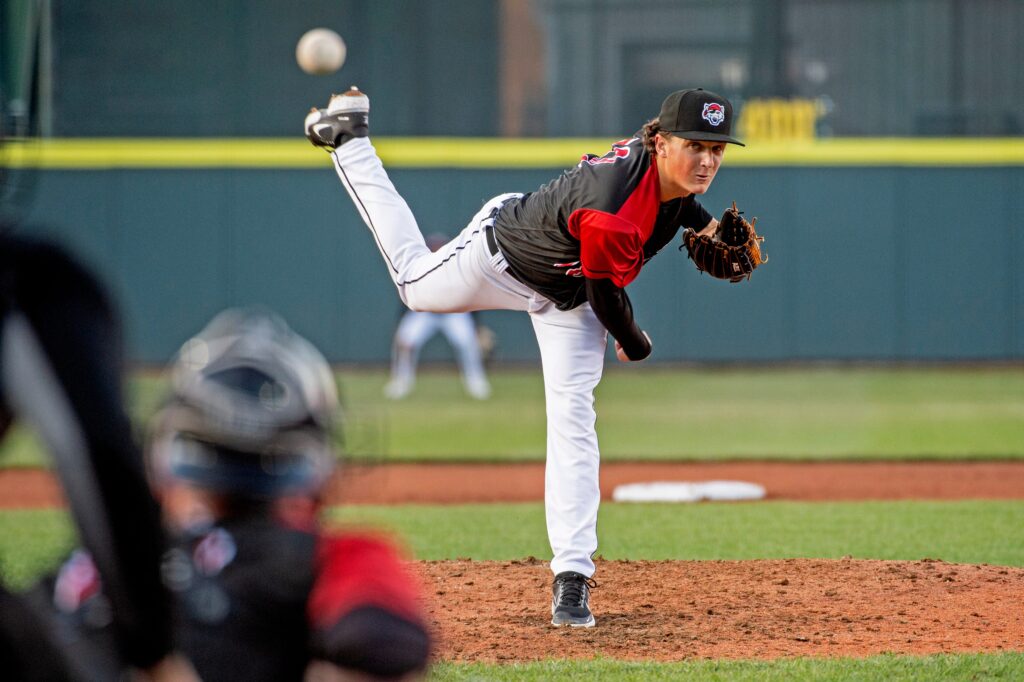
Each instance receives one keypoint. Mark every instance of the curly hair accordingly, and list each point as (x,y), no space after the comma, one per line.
(650,129)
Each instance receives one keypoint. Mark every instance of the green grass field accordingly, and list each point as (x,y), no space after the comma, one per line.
(969,531)
(962,532)
(704,414)
(680,413)
(915,668)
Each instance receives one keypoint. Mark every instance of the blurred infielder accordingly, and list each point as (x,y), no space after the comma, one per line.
(564,254)
(416,328)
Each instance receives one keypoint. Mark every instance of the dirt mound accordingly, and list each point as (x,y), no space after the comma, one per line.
(675,610)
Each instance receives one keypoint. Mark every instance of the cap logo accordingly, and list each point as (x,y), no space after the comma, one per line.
(714,113)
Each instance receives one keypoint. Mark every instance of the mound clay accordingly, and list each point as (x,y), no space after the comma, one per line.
(676,610)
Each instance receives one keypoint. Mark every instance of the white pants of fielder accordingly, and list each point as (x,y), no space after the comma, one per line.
(463,276)
(415,329)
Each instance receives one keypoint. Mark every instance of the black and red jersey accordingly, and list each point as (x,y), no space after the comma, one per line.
(257,599)
(262,599)
(601,219)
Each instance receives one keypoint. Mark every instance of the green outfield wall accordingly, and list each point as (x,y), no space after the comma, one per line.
(513,67)
(878,249)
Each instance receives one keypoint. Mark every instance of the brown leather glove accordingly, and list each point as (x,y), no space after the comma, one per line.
(732,253)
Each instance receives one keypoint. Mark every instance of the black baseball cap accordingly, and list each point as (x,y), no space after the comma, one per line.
(698,114)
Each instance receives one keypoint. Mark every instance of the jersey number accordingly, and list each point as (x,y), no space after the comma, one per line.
(620,150)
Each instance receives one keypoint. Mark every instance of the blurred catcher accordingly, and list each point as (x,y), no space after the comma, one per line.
(239,456)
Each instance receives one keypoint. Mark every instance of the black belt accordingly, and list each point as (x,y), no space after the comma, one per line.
(492,246)
(492,243)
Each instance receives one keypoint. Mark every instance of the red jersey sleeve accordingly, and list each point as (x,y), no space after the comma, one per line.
(611,247)
(612,244)
(359,570)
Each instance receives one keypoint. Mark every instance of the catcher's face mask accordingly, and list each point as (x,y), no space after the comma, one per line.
(252,411)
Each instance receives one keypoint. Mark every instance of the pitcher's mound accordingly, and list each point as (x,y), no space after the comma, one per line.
(674,610)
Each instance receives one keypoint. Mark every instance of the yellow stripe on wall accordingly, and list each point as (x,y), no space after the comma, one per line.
(483,153)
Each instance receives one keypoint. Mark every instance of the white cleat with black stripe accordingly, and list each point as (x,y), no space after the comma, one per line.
(345,118)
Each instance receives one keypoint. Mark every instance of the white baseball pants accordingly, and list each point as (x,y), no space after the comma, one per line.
(463,276)
(416,328)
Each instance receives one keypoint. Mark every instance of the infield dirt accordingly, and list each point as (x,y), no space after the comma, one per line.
(446,483)
(676,610)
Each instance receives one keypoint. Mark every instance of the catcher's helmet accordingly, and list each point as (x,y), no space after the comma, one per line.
(251,410)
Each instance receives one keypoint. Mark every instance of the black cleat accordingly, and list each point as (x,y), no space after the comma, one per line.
(570,600)
(346,117)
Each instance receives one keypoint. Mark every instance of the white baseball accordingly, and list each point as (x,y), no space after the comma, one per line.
(320,51)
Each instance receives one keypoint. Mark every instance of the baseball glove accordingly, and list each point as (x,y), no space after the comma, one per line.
(732,253)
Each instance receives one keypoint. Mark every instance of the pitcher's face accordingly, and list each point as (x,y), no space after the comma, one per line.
(688,166)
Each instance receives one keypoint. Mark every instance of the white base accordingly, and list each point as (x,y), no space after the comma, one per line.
(686,491)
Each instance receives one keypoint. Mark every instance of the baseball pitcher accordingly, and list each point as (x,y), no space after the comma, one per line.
(564,254)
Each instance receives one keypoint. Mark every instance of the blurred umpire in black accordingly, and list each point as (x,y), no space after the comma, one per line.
(61,372)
